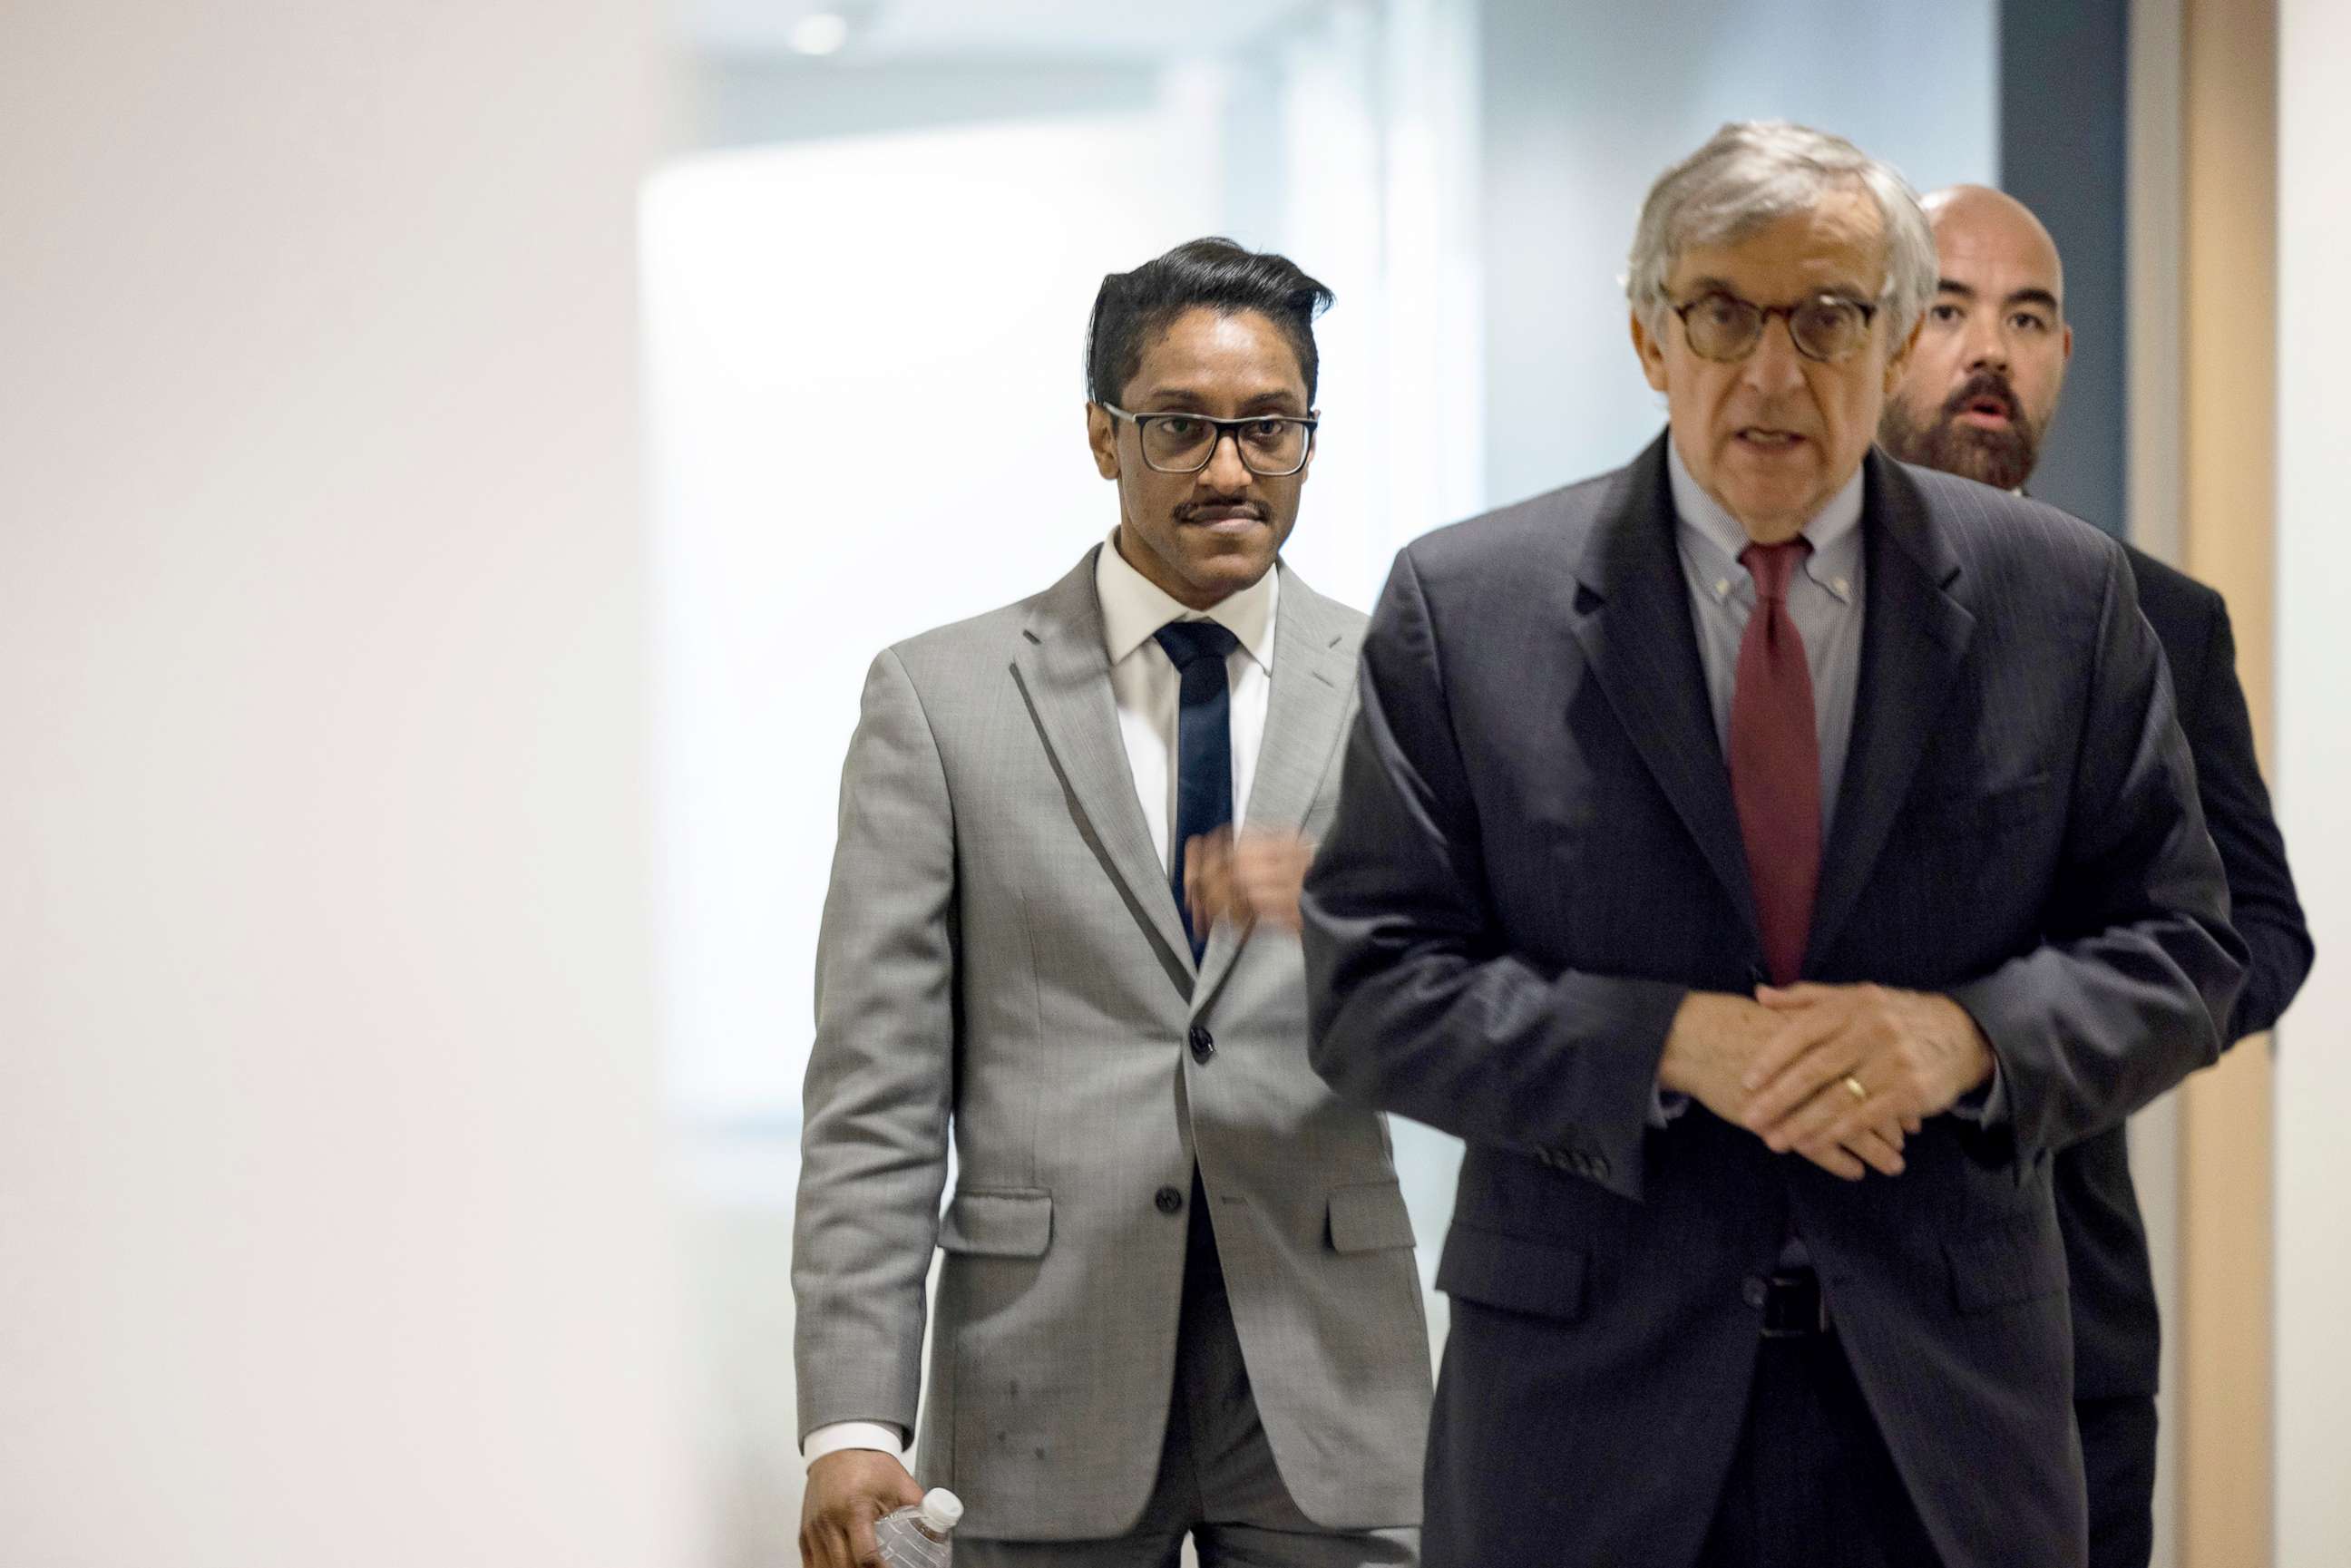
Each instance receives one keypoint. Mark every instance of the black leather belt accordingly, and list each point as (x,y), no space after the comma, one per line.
(1793,1307)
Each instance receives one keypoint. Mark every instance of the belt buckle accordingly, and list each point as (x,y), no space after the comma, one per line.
(1793,1306)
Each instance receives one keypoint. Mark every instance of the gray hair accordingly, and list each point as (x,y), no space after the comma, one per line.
(1754,172)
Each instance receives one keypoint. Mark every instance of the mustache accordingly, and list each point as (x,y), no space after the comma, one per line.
(1192,509)
(1986,385)
(2002,459)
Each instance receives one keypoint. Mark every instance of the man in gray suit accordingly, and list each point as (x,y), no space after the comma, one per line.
(1178,1295)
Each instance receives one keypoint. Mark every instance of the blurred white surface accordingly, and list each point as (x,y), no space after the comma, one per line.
(2314,776)
(333,1219)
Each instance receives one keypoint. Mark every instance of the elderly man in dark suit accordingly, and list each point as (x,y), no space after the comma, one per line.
(1764,856)
(1982,388)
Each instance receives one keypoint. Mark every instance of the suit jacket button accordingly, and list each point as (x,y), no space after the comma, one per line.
(1754,1289)
(1204,1044)
(1169,1199)
(1599,1165)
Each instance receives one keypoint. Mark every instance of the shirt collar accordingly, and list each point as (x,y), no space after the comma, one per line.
(1834,530)
(1133,608)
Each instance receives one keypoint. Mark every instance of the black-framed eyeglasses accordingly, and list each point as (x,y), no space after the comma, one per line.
(1724,328)
(1273,446)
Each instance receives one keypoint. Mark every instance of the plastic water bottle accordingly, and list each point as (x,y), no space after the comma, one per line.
(917,1537)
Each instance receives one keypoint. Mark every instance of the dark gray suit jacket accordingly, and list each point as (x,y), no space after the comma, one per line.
(1536,857)
(2117,1336)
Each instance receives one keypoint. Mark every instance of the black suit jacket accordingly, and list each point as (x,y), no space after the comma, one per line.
(2118,1338)
(1536,857)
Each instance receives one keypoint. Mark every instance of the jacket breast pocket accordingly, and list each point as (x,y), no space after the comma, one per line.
(1978,860)
(1982,810)
(997,1222)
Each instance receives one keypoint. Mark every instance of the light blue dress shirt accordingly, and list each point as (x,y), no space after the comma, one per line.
(1825,601)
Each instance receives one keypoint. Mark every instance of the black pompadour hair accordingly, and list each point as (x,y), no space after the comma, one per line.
(1214,274)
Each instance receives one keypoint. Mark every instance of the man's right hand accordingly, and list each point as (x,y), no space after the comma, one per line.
(1255,875)
(847,1491)
(1715,1037)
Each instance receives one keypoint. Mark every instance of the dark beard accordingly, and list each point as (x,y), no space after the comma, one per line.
(2001,458)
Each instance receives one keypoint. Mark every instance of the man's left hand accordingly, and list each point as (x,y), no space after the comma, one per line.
(1910,1054)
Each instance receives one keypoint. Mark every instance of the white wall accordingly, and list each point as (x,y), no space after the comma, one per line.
(2313,778)
(1584,106)
(332,1225)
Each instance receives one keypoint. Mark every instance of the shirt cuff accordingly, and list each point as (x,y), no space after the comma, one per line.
(839,1435)
(1665,1105)
(1986,1104)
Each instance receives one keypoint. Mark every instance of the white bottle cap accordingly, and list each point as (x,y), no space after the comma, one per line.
(941,1509)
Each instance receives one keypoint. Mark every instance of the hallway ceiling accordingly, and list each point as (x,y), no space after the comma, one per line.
(1054,29)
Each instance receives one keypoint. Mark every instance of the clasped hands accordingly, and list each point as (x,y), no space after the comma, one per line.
(1839,1075)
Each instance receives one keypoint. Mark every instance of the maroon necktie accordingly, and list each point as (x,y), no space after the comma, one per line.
(1775,761)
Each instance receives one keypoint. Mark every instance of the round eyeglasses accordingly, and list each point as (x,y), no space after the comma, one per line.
(1273,446)
(1724,328)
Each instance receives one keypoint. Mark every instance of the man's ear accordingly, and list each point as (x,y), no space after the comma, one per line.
(1651,352)
(1102,436)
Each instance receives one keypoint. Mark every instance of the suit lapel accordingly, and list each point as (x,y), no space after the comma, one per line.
(1912,641)
(1311,674)
(1063,670)
(1633,619)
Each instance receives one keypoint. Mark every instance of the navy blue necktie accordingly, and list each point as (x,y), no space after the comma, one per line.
(1204,745)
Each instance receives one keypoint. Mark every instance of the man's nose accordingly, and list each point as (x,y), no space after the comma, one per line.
(1775,366)
(1987,345)
(1226,472)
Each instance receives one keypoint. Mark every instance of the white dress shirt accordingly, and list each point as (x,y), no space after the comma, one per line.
(1147,688)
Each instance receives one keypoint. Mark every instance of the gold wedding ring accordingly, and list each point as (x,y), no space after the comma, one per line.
(1853,1087)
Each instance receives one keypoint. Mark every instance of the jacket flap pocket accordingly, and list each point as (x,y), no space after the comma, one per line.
(2003,803)
(1369,1216)
(2024,1260)
(1003,1222)
(1517,1273)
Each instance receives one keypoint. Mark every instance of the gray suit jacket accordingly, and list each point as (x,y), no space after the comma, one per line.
(1002,963)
